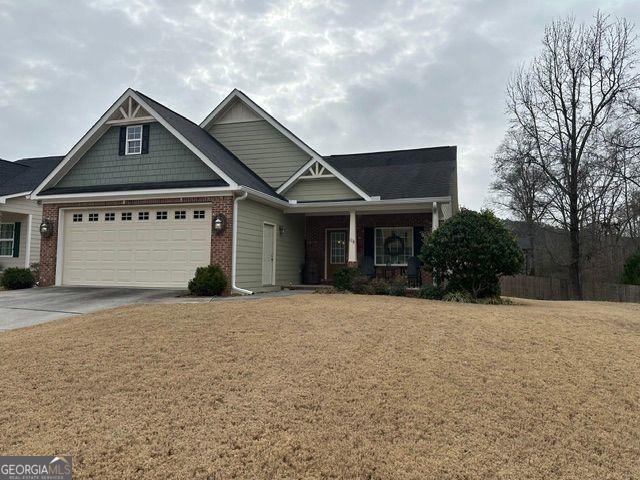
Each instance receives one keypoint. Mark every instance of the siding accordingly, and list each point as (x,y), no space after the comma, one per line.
(168,160)
(320,189)
(289,246)
(20,208)
(262,148)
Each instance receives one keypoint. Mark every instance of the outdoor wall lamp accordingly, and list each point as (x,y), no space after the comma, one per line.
(219,223)
(282,230)
(46,228)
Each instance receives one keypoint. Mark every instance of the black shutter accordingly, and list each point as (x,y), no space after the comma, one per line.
(123,139)
(417,240)
(145,138)
(16,239)
(369,242)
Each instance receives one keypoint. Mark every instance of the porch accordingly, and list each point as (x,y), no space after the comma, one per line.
(15,238)
(380,242)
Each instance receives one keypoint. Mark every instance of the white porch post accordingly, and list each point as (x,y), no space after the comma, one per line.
(27,247)
(435,221)
(353,258)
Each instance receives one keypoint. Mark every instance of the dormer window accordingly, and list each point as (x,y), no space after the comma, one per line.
(134,140)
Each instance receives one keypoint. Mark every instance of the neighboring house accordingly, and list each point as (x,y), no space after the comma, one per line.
(146,196)
(20,217)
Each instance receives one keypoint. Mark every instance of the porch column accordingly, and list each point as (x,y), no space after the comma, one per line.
(27,247)
(435,221)
(352,259)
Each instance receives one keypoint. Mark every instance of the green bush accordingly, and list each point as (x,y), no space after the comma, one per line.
(631,270)
(470,252)
(431,292)
(380,286)
(398,287)
(208,281)
(361,286)
(16,278)
(343,277)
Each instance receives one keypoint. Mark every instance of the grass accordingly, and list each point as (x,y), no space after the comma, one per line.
(330,386)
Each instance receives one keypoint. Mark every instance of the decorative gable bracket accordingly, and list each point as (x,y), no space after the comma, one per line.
(317,170)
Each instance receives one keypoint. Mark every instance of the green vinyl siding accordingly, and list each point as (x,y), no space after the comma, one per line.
(262,148)
(289,245)
(168,160)
(317,189)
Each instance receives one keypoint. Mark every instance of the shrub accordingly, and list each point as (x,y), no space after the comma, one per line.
(631,270)
(458,297)
(379,286)
(208,281)
(15,278)
(470,252)
(431,292)
(343,277)
(398,287)
(361,286)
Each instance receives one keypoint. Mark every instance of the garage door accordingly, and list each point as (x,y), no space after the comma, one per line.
(142,247)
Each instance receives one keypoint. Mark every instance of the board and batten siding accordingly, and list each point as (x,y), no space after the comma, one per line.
(168,160)
(20,208)
(308,190)
(289,246)
(262,148)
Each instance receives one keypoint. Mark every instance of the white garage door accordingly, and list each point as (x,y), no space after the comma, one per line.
(142,246)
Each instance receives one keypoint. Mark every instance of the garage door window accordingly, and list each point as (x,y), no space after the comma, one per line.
(77,217)
(126,216)
(161,215)
(93,217)
(198,214)
(110,217)
(143,215)
(180,215)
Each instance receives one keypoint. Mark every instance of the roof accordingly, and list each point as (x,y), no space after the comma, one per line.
(212,148)
(415,173)
(26,174)
(125,187)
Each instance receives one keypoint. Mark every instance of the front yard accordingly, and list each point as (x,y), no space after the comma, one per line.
(330,386)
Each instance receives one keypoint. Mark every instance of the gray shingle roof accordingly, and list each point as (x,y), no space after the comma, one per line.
(417,173)
(212,148)
(26,174)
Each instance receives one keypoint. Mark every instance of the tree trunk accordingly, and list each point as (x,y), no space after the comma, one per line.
(574,238)
(532,244)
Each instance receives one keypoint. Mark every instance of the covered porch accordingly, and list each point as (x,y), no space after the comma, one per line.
(381,241)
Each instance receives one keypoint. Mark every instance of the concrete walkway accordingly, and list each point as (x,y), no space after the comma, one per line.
(22,308)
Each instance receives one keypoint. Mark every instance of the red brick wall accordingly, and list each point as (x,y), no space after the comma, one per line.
(221,245)
(315,236)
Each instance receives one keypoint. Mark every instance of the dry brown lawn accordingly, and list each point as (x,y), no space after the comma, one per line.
(330,386)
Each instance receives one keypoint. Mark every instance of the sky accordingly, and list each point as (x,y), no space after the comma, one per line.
(344,76)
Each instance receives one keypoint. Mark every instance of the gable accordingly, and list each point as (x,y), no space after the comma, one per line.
(168,160)
(261,147)
(320,189)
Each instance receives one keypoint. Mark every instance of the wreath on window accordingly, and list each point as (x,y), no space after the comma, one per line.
(393,245)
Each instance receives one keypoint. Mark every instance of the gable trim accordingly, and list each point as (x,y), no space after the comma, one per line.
(289,183)
(237,94)
(101,126)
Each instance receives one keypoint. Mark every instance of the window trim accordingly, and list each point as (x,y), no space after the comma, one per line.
(127,140)
(375,240)
(12,239)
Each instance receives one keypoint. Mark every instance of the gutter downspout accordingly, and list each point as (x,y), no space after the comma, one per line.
(234,247)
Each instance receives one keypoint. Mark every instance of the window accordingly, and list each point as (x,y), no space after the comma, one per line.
(93,217)
(393,246)
(77,217)
(161,215)
(198,214)
(180,215)
(143,215)
(126,216)
(6,239)
(134,140)
(337,247)
(109,217)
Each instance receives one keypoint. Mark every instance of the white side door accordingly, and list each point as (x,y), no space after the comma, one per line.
(268,254)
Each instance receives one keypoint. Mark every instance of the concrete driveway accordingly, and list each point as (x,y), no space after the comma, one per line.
(21,308)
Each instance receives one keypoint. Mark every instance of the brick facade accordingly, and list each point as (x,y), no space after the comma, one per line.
(316,227)
(221,244)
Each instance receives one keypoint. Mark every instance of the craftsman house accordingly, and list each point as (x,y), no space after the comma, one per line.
(146,196)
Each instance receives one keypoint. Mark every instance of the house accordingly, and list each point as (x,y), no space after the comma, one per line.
(20,216)
(146,196)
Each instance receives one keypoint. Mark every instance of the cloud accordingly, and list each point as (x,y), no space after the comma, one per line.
(344,75)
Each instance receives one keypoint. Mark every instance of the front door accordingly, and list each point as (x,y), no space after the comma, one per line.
(268,251)
(336,251)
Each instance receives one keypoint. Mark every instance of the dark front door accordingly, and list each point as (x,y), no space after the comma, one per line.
(336,251)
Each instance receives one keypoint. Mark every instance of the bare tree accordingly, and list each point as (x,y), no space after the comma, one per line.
(562,102)
(520,184)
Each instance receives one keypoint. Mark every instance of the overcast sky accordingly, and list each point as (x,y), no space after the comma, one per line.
(345,76)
